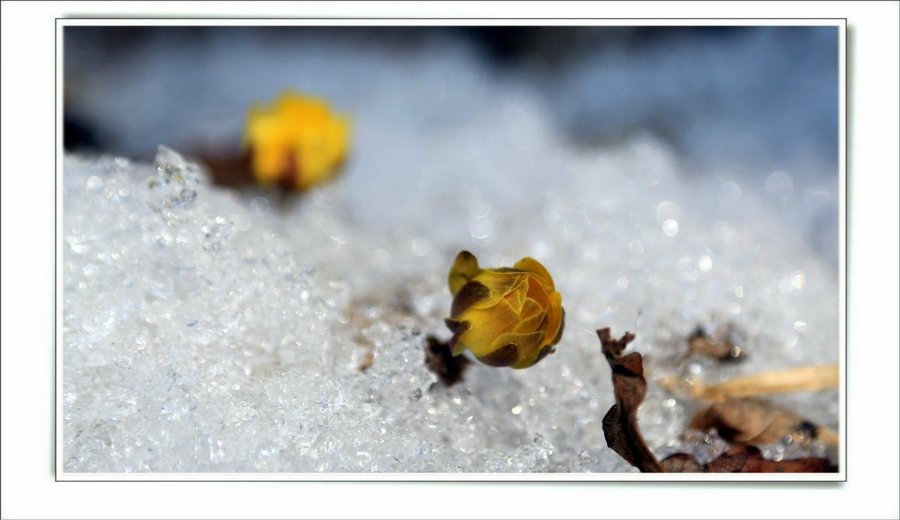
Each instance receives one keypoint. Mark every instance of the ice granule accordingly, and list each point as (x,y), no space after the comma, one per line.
(210,330)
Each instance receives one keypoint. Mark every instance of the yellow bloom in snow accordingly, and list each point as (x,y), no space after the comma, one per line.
(297,141)
(506,316)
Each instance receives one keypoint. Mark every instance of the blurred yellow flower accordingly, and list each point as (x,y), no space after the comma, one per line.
(506,316)
(297,141)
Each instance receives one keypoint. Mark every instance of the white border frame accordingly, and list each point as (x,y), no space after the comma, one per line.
(841,476)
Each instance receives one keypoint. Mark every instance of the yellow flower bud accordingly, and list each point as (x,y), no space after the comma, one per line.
(297,141)
(506,316)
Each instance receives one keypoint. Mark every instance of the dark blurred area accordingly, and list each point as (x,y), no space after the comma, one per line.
(539,52)
(507,46)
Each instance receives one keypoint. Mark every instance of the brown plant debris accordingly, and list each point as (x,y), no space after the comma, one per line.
(624,437)
(799,379)
(752,421)
(233,171)
(228,169)
(745,459)
(721,347)
(620,424)
(367,361)
(440,360)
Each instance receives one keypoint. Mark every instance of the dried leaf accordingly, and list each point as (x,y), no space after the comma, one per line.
(367,361)
(721,348)
(732,461)
(755,421)
(681,463)
(807,378)
(751,421)
(620,423)
(441,361)
(746,459)
(231,170)
(757,464)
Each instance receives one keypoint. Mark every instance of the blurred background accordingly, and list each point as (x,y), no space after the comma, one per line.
(754,104)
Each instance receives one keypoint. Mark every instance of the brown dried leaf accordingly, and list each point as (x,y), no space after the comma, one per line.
(757,464)
(441,361)
(751,421)
(746,420)
(746,459)
(367,361)
(620,423)
(228,169)
(732,461)
(681,463)
(721,348)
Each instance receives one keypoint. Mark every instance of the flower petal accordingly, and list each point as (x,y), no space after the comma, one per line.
(555,316)
(545,350)
(500,285)
(486,326)
(562,326)
(528,344)
(464,269)
(530,265)
(501,357)
(516,297)
(470,294)
(531,308)
(538,292)
(532,322)
(458,328)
